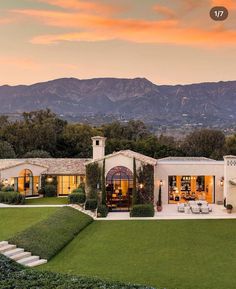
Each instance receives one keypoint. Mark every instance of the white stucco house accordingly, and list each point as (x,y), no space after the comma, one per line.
(181,178)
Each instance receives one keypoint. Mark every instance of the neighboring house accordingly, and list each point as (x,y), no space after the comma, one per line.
(181,178)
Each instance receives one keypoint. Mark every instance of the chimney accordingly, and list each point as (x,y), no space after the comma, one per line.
(98,147)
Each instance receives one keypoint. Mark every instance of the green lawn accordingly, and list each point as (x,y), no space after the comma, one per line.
(47,201)
(14,220)
(191,254)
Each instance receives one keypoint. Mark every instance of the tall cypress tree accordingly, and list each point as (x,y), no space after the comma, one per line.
(134,199)
(104,195)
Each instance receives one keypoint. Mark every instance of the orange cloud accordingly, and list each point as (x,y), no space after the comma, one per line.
(91,27)
(165,11)
(229,4)
(86,6)
(22,62)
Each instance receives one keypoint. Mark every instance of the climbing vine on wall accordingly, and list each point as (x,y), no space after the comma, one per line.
(145,176)
(93,179)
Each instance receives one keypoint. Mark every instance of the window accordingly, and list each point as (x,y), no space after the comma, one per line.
(97,142)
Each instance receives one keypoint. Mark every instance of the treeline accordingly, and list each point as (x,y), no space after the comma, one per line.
(43,134)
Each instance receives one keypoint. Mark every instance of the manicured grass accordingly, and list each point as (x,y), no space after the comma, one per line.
(14,275)
(188,254)
(14,220)
(47,201)
(47,237)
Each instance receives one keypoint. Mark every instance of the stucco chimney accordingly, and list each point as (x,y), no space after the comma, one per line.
(99,143)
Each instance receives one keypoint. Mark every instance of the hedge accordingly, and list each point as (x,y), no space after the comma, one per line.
(77,198)
(9,197)
(146,210)
(15,276)
(91,204)
(102,211)
(49,236)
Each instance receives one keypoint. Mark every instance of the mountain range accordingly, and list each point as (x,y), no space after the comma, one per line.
(202,103)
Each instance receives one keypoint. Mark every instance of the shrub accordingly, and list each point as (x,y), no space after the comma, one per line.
(229,207)
(14,275)
(78,190)
(146,210)
(91,204)
(11,198)
(41,191)
(77,198)
(7,189)
(50,190)
(102,211)
(49,236)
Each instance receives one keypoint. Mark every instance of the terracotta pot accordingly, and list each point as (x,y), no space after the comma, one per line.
(229,211)
(159,208)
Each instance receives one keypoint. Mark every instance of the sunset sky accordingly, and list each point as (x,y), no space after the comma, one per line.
(166,41)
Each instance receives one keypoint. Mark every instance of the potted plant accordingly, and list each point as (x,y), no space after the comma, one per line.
(229,208)
(159,201)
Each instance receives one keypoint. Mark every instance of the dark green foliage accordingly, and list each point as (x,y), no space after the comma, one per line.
(159,201)
(102,211)
(44,131)
(6,150)
(78,190)
(145,176)
(134,192)
(11,197)
(91,204)
(146,210)
(49,236)
(104,193)
(15,276)
(7,189)
(37,154)
(50,190)
(205,143)
(93,179)
(77,198)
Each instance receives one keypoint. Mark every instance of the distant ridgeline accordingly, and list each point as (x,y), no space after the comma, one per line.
(105,99)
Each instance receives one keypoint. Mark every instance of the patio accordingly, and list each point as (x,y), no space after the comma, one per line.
(170,212)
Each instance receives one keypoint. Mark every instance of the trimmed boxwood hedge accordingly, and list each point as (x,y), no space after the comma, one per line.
(102,211)
(145,210)
(9,197)
(91,204)
(49,236)
(15,276)
(77,198)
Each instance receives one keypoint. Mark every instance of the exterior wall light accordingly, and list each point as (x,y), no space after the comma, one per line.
(141,186)
(222,182)
(161,183)
(49,179)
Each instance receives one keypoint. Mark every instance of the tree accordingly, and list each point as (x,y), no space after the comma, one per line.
(37,154)
(230,146)
(134,193)
(6,151)
(204,143)
(93,179)
(104,197)
(77,140)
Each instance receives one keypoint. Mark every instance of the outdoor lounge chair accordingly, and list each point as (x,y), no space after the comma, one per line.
(180,208)
(205,209)
(195,209)
(192,203)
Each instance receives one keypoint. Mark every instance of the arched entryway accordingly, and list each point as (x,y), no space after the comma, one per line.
(26,182)
(119,186)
